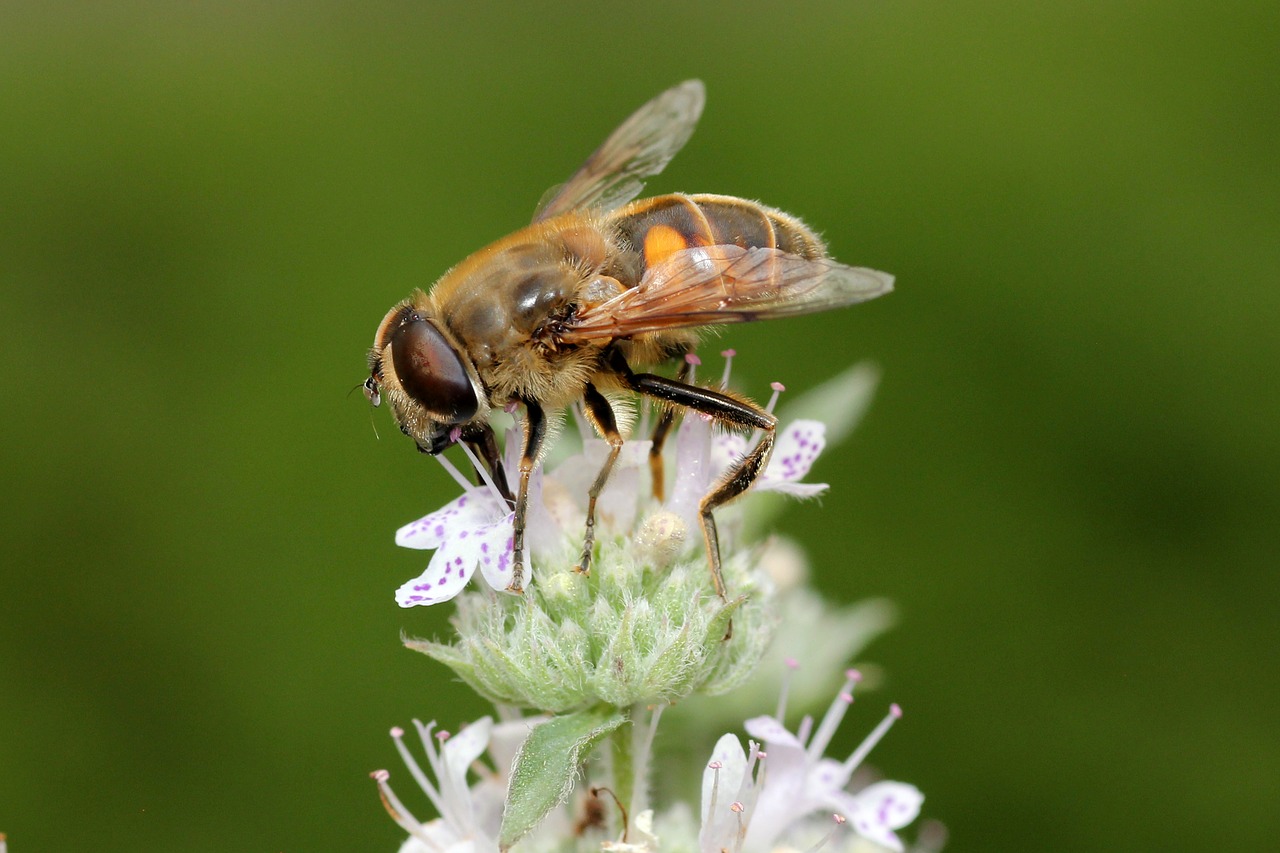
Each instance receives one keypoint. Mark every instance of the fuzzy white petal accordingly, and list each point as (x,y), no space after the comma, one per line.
(616,508)
(796,490)
(772,732)
(693,470)
(877,810)
(466,746)
(447,574)
(827,775)
(726,780)
(471,509)
(895,804)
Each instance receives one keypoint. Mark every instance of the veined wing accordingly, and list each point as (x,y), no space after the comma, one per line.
(640,148)
(707,286)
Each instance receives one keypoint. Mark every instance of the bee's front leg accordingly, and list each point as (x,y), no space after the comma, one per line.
(484,444)
(535,432)
(600,414)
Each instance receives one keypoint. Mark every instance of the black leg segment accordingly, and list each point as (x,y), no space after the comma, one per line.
(535,433)
(600,413)
(484,445)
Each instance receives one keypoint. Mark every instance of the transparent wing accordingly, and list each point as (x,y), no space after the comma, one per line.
(706,286)
(640,148)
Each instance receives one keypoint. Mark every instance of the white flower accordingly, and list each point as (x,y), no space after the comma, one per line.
(473,531)
(469,531)
(470,815)
(753,799)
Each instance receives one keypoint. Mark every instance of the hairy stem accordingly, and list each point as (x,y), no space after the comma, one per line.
(623,766)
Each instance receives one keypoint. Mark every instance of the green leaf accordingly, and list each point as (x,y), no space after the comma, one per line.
(718,627)
(543,772)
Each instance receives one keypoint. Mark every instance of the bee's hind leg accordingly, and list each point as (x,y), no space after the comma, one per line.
(665,421)
(729,411)
(600,413)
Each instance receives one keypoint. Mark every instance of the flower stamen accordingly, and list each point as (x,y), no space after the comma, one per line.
(753,778)
(835,713)
(738,808)
(484,473)
(869,742)
(792,665)
(453,786)
(778,388)
(453,472)
(715,767)
(694,363)
(822,842)
(401,815)
(415,770)
(643,755)
(728,363)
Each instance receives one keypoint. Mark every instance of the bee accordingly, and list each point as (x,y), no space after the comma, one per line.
(568,308)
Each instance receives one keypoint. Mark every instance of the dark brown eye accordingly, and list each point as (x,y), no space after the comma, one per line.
(431,372)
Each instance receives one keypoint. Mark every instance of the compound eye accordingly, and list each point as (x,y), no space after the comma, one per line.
(431,372)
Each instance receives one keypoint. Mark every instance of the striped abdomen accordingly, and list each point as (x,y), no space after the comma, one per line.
(654,228)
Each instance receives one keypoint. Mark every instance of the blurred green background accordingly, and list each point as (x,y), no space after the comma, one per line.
(1070,480)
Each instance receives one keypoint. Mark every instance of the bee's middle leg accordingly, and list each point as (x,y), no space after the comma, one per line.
(665,421)
(535,432)
(601,415)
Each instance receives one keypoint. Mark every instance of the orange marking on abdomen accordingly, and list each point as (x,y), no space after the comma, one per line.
(660,243)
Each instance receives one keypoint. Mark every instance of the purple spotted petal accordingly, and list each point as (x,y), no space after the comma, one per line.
(877,810)
(446,575)
(473,508)
(773,733)
(726,449)
(829,775)
(794,454)
(496,553)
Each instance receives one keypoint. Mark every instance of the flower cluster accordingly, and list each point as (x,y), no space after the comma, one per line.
(752,800)
(470,812)
(600,656)
(475,529)
(772,791)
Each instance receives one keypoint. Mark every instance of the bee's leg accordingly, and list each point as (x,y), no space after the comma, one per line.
(601,415)
(484,444)
(535,431)
(727,410)
(738,479)
(665,421)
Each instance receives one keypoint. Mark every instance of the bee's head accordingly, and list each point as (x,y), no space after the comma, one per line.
(424,375)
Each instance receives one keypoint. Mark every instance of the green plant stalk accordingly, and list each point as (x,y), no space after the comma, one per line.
(623,765)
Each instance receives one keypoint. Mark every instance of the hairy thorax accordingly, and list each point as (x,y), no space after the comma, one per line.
(505,303)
